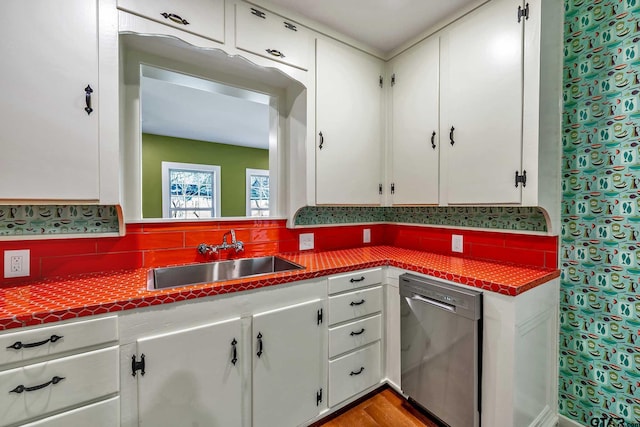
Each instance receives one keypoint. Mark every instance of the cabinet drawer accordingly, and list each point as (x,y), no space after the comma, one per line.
(41,388)
(353,373)
(51,340)
(202,17)
(353,335)
(101,414)
(355,304)
(272,36)
(358,279)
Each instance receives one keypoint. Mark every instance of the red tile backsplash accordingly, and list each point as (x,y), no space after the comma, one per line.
(160,244)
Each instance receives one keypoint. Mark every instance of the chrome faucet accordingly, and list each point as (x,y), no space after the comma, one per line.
(237,245)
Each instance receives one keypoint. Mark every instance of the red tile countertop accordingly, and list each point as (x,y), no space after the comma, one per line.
(51,300)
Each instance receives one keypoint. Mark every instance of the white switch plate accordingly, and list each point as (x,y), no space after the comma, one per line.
(366,235)
(16,263)
(306,241)
(456,243)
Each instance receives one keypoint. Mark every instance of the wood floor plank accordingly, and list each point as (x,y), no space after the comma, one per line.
(385,409)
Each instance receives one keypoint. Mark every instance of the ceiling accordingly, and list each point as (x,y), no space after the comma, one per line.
(174,104)
(381,24)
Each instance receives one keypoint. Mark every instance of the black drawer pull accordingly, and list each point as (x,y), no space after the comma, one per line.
(275,52)
(357,303)
(22,388)
(433,140)
(20,345)
(357,373)
(451,140)
(175,18)
(360,332)
(357,280)
(258,13)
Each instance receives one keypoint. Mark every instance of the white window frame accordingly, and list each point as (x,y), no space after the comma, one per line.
(166,188)
(249,173)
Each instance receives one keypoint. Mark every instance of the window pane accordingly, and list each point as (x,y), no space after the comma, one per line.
(192,190)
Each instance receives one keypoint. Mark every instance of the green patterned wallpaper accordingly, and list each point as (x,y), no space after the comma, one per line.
(26,220)
(503,218)
(600,291)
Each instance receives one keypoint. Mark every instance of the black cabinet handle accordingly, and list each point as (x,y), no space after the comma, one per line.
(87,99)
(234,344)
(20,345)
(357,280)
(321,140)
(260,348)
(275,52)
(360,332)
(357,303)
(433,140)
(22,388)
(175,18)
(451,135)
(357,373)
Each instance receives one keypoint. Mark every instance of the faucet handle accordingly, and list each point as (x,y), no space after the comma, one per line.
(239,246)
(203,248)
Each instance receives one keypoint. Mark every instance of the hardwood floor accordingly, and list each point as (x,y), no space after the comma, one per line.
(384,409)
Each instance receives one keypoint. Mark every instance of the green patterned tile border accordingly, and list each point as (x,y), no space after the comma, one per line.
(28,220)
(600,281)
(501,218)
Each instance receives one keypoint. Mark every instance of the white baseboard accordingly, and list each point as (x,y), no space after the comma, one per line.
(566,422)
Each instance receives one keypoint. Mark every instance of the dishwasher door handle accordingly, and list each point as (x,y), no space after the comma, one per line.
(441,305)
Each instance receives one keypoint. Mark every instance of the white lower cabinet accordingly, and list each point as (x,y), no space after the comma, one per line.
(355,333)
(287,364)
(251,359)
(101,414)
(191,377)
(353,373)
(61,374)
(37,389)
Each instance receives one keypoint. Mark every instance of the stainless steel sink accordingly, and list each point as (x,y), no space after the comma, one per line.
(193,274)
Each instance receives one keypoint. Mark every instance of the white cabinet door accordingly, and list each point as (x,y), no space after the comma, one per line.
(415,138)
(481,106)
(348,125)
(272,36)
(202,17)
(287,364)
(191,377)
(49,142)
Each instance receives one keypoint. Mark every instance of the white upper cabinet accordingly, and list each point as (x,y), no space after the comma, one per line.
(481,106)
(49,105)
(349,125)
(273,36)
(415,140)
(201,17)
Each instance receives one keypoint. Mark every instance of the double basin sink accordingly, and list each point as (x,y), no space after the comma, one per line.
(193,274)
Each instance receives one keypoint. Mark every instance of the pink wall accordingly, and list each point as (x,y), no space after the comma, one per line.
(160,244)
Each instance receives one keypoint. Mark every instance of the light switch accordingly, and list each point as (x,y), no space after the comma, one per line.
(456,243)
(306,241)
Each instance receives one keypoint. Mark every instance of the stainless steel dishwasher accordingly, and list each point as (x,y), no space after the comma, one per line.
(441,348)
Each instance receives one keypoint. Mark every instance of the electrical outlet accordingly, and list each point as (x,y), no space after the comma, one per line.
(306,241)
(456,243)
(16,263)
(366,235)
